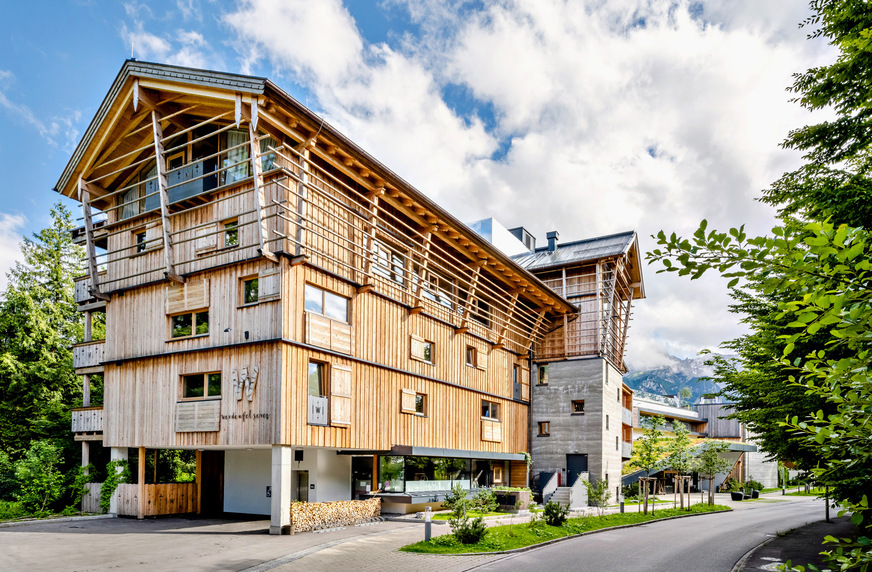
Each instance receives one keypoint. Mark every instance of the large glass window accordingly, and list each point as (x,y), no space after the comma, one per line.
(236,158)
(201,385)
(191,324)
(326,303)
(391,474)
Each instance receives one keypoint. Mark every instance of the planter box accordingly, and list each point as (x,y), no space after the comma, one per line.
(737,495)
(509,499)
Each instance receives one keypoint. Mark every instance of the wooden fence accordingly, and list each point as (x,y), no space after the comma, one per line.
(91,500)
(172,498)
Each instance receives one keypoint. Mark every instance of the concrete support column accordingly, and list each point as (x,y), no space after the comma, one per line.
(280,509)
(116,454)
(86,455)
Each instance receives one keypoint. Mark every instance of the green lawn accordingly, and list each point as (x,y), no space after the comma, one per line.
(510,536)
(814,493)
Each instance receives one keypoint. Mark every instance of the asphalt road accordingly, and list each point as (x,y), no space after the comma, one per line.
(709,543)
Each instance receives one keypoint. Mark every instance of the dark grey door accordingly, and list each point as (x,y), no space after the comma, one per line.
(575,464)
(302,493)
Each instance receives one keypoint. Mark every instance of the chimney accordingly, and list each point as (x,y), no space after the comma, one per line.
(552,240)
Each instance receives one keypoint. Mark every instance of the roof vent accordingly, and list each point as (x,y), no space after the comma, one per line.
(552,240)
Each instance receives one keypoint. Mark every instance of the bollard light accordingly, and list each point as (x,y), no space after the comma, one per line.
(427,524)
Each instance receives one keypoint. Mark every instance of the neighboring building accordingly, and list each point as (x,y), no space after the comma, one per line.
(708,420)
(310,324)
(581,418)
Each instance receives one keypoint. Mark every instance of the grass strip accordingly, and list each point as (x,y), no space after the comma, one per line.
(470,514)
(512,536)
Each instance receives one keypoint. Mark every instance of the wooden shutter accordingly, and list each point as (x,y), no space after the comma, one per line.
(192,416)
(318,331)
(480,359)
(206,239)
(408,401)
(269,284)
(153,236)
(525,384)
(187,297)
(491,431)
(340,395)
(417,351)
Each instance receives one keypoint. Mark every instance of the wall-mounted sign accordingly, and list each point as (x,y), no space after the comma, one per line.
(244,381)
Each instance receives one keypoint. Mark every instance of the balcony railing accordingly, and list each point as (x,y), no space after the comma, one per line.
(82,293)
(626,416)
(88,355)
(626,450)
(87,420)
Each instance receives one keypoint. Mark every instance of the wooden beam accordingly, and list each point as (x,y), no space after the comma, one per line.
(169,265)
(257,172)
(85,197)
(423,273)
(534,332)
(302,196)
(470,296)
(502,335)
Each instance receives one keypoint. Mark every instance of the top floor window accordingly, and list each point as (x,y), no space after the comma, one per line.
(319,301)
(389,263)
(438,289)
(480,312)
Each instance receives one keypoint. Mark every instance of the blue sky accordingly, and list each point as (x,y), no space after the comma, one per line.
(585,117)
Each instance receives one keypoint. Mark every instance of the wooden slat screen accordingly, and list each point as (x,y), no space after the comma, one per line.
(269,284)
(340,395)
(417,348)
(206,240)
(408,401)
(187,297)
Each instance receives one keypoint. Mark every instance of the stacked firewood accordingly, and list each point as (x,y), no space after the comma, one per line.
(312,515)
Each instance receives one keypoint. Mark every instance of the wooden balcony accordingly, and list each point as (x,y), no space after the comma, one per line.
(88,357)
(82,293)
(87,423)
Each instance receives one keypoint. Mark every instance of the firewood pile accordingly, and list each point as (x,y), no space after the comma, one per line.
(307,516)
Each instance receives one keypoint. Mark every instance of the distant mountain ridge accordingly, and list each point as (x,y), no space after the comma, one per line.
(670,378)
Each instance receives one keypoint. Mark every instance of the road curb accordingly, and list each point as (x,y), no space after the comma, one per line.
(51,520)
(556,540)
(740,565)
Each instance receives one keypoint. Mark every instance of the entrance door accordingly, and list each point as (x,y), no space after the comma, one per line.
(575,464)
(302,492)
(516,385)
(212,485)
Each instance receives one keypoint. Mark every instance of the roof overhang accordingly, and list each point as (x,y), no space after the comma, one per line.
(410,451)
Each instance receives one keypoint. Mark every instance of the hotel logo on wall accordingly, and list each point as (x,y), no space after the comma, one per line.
(243,381)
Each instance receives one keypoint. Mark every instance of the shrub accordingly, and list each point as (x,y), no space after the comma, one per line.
(555,513)
(756,485)
(468,530)
(40,481)
(630,491)
(485,501)
(598,494)
(113,477)
(456,501)
(731,485)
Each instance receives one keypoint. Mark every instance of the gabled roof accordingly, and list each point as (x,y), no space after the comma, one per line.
(586,250)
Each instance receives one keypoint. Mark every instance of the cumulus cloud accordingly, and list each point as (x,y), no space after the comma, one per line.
(180,47)
(10,236)
(597,117)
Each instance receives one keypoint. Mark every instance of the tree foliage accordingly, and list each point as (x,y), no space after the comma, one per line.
(38,324)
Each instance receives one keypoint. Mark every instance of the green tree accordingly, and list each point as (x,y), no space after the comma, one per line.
(680,458)
(598,494)
(648,453)
(709,463)
(40,482)
(38,324)
(685,395)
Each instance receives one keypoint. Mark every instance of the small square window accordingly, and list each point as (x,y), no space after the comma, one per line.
(471,356)
(578,407)
(544,428)
(543,375)
(231,233)
(490,410)
(249,291)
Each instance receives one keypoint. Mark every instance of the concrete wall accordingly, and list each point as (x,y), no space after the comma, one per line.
(329,472)
(758,468)
(247,474)
(598,384)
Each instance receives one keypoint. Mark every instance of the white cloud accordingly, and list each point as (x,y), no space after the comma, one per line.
(182,47)
(626,114)
(58,131)
(10,237)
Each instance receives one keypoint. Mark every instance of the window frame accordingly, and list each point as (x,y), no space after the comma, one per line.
(573,409)
(242,290)
(471,356)
(140,240)
(227,227)
(204,376)
(323,368)
(493,409)
(324,292)
(539,378)
(193,334)
(389,272)
(544,428)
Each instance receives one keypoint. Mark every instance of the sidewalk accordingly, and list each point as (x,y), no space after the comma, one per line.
(800,546)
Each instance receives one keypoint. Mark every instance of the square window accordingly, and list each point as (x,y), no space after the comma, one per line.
(327,304)
(544,428)
(249,291)
(231,233)
(543,375)
(490,410)
(471,356)
(578,407)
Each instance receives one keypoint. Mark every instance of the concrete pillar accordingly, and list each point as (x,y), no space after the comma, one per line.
(86,455)
(116,454)
(280,510)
